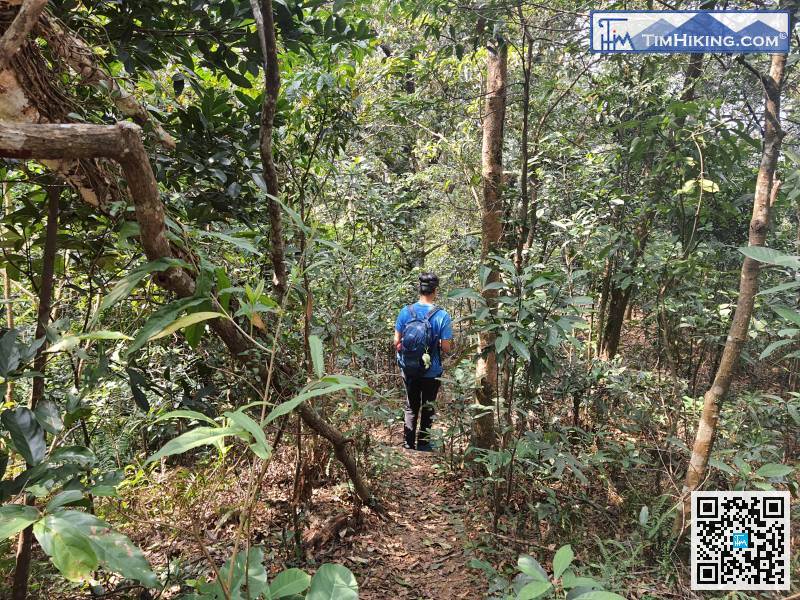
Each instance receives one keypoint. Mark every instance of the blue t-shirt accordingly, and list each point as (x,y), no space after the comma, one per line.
(441,329)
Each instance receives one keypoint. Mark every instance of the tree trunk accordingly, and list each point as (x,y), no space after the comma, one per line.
(25,540)
(616,316)
(7,289)
(492,230)
(523,220)
(122,142)
(748,288)
(272,85)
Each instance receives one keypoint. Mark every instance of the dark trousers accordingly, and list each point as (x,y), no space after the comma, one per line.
(420,393)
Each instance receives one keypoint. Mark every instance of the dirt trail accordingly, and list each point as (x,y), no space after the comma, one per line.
(418,552)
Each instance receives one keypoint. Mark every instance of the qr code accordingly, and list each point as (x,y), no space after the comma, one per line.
(740,541)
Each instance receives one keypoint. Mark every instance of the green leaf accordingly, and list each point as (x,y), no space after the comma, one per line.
(254,577)
(534,589)
(125,285)
(521,349)
(569,581)
(9,352)
(114,551)
(288,583)
(788,314)
(531,567)
(26,433)
(774,346)
(137,381)
(501,342)
(68,548)
(333,582)
(185,321)
(688,186)
(260,446)
(466,293)
(63,498)
(599,595)
(774,470)
(160,319)
(315,346)
(793,413)
(186,414)
(290,405)
(563,559)
(68,342)
(16,517)
(80,455)
(199,436)
(718,464)
(239,242)
(48,415)
(770,256)
(644,515)
(709,186)
(780,288)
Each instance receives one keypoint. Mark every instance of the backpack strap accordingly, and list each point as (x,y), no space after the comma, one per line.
(428,317)
(412,312)
(432,312)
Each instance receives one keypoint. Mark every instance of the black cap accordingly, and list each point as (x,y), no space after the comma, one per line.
(428,282)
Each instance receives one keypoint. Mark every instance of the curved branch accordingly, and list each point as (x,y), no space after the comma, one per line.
(16,34)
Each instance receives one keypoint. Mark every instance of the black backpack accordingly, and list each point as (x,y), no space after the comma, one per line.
(416,340)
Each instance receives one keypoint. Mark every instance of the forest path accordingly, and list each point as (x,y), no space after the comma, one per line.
(418,552)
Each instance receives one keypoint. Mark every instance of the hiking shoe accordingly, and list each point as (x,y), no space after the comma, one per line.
(425,447)
(408,446)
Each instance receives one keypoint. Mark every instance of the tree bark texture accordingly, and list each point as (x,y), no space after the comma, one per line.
(748,288)
(22,567)
(122,142)
(492,233)
(9,305)
(272,85)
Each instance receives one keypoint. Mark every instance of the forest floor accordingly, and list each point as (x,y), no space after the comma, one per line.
(418,551)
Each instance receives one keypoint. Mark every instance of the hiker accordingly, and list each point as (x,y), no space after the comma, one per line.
(421,333)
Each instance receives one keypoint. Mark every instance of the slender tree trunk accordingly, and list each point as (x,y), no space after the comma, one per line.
(7,290)
(748,288)
(615,318)
(523,226)
(601,311)
(25,540)
(272,81)
(492,230)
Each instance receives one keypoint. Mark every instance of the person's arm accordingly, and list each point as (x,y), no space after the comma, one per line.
(399,323)
(446,342)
